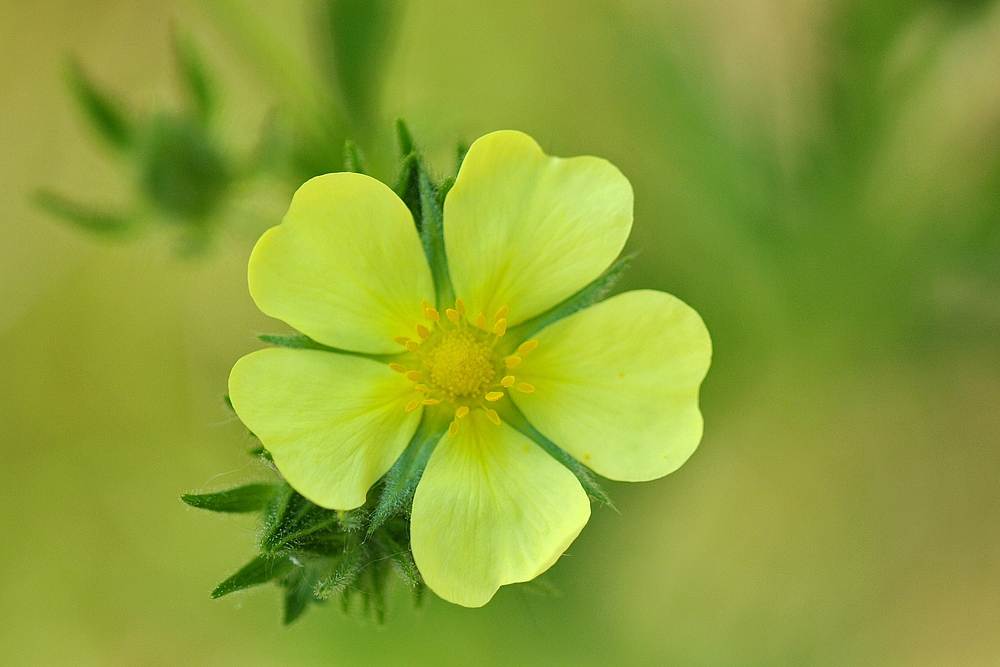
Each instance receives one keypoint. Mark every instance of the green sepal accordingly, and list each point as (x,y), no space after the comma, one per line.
(596,291)
(92,220)
(432,238)
(515,418)
(260,570)
(303,342)
(194,74)
(291,520)
(107,114)
(247,498)
(353,159)
(400,483)
(541,586)
(404,139)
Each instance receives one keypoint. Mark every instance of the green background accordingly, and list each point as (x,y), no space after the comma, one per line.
(821,181)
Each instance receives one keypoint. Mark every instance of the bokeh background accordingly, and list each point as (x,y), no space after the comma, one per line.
(820,180)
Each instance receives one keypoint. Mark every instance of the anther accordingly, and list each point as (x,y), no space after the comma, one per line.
(507,380)
(500,328)
(462,411)
(424,305)
(432,314)
(512,361)
(422,388)
(402,340)
(412,345)
(452,315)
(422,331)
(413,405)
(494,395)
(502,313)
(430,401)
(525,387)
(525,348)
(399,368)
(453,429)
(494,417)
(460,306)
(413,376)
(480,321)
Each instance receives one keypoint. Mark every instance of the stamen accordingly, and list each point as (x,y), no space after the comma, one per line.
(412,345)
(494,417)
(422,331)
(432,314)
(500,328)
(424,305)
(453,429)
(422,388)
(525,387)
(430,401)
(507,381)
(462,411)
(502,313)
(512,361)
(494,395)
(480,321)
(452,315)
(413,376)
(402,340)
(413,405)
(525,348)
(399,368)
(460,306)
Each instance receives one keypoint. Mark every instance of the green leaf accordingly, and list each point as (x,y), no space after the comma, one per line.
(108,116)
(258,571)
(100,222)
(194,74)
(596,291)
(515,418)
(401,480)
(247,498)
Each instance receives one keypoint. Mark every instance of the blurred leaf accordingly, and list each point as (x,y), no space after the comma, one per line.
(258,571)
(194,74)
(108,116)
(353,160)
(102,222)
(248,498)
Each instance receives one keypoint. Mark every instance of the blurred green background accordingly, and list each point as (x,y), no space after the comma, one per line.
(820,180)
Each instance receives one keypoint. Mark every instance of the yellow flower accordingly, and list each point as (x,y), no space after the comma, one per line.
(421,373)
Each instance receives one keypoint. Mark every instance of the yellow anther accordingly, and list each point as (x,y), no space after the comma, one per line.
(453,429)
(399,368)
(507,380)
(432,314)
(494,395)
(460,306)
(480,321)
(502,313)
(462,411)
(525,387)
(423,331)
(424,305)
(452,315)
(413,405)
(500,328)
(512,361)
(494,417)
(422,388)
(413,376)
(525,348)
(412,345)
(430,401)
(402,340)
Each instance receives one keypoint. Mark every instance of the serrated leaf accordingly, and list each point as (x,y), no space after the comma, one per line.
(92,220)
(258,571)
(108,115)
(247,498)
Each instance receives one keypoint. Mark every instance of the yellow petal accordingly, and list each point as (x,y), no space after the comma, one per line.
(529,230)
(491,509)
(345,266)
(616,385)
(333,423)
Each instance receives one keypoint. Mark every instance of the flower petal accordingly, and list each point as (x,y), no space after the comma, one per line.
(491,509)
(345,266)
(333,423)
(616,385)
(527,230)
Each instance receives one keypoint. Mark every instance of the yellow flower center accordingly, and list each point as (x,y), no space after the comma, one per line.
(456,362)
